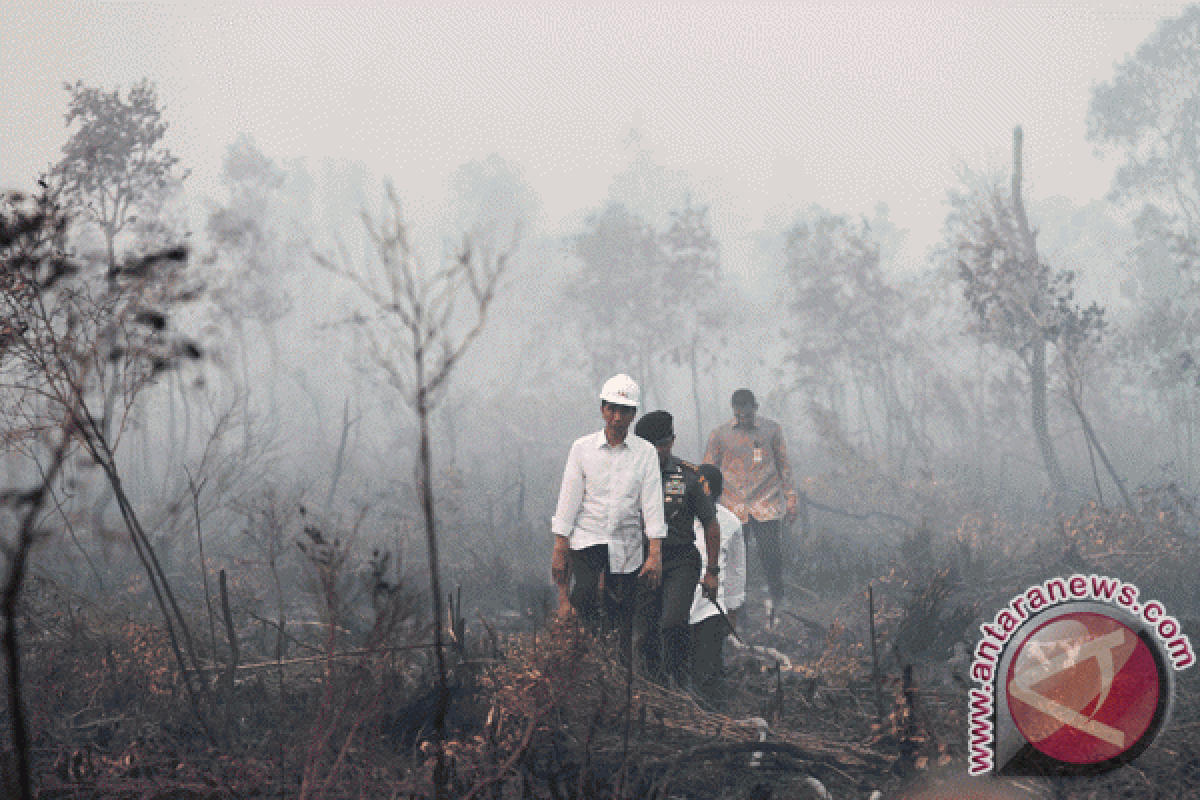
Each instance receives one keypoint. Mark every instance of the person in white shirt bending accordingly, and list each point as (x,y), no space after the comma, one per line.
(611,489)
(709,630)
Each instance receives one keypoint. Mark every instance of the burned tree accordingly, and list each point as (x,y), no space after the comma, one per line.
(1149,114)
(75,335)
(31,263)
(418,337)
(1010,290)
(1023,304)
(117,179)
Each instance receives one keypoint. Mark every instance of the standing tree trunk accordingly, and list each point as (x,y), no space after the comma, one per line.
(425,480)
(187,422)
(110,236)
(240,328)
(1037,360)
(10,595)
(169,467)
(1041,430)
(339,460)
(424,306)
(1075,395)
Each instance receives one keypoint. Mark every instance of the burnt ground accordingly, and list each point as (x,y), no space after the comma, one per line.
(536,713)
(543,711)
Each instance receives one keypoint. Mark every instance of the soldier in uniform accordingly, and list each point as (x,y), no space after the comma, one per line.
(662,621)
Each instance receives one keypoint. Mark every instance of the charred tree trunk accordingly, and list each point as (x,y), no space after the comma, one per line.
(173,381)
(425,486)
(424,306)
(240,329)
(339,461)
(9,598)
(173,618)
(110,245)
(1041,428)
(1073,394)
(1037,358)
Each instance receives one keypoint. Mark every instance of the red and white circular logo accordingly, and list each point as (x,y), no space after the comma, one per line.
(1084,689)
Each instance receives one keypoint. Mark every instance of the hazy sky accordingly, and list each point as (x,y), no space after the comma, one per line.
(766,108)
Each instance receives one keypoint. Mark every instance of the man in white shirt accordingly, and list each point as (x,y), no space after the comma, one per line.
(611,490)
(709,630)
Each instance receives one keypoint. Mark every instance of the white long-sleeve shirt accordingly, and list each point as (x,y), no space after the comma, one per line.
(731,583)
(605,495)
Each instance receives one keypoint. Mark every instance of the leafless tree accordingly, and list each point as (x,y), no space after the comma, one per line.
(79,342)
(423,323)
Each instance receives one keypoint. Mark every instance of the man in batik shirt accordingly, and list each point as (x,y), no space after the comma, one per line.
(752,456)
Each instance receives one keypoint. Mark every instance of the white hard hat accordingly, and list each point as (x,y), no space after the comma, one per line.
(621,390)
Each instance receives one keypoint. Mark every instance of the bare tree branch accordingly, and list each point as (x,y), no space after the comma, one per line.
(418,359)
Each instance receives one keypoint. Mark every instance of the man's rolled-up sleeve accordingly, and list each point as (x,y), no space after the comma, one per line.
(570,495)
(652,499)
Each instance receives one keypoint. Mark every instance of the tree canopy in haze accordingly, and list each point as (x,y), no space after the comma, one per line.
(114,164)
(619,294)
(1150,112)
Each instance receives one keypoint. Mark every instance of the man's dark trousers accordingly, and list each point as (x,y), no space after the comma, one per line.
(768,537)
(663,633)
(708,661)
(587,565)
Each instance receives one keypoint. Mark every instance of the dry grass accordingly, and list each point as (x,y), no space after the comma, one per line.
(551,713)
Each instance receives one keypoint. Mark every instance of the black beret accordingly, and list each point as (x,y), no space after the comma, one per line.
(655,427)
